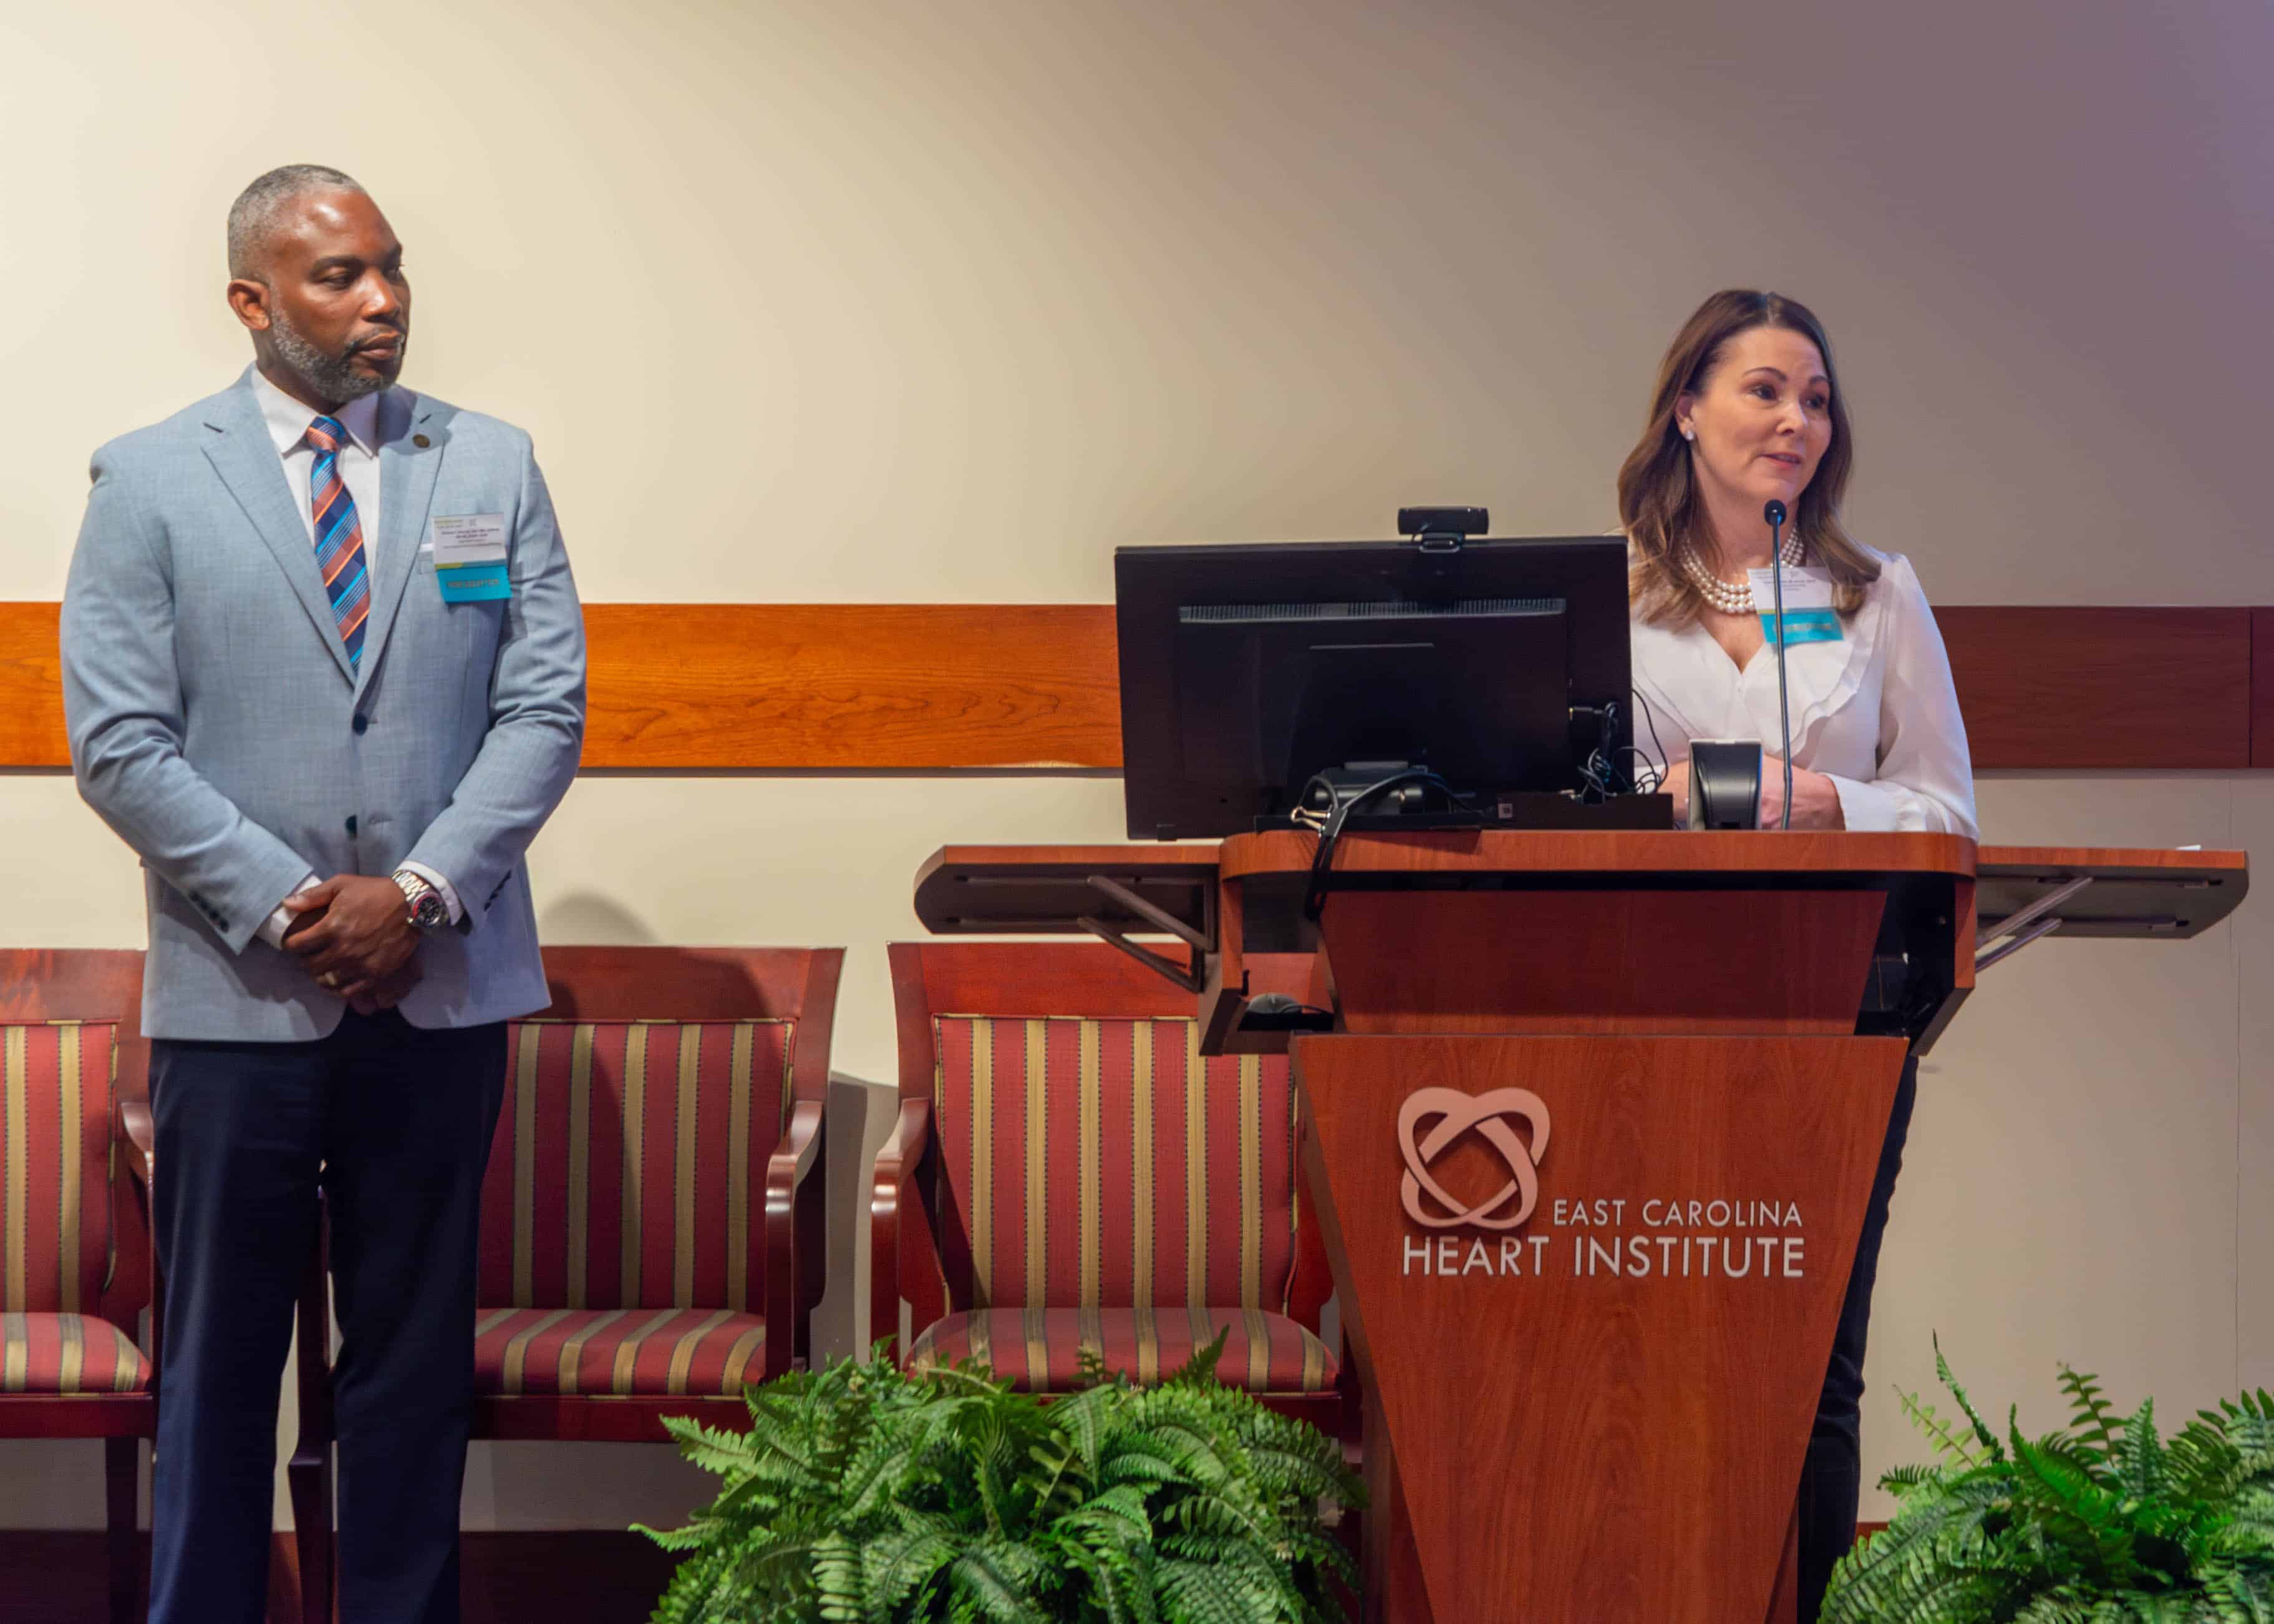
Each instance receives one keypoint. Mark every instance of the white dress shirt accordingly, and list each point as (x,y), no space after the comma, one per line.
(356,464)
(1875,712)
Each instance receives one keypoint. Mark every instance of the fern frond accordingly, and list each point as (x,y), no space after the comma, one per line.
(1950,1383)
(2108,1523)
(994,1578)
(863,1494)
(2139,1456)
(1948,1442)
(1196,1593)
(2091,1414)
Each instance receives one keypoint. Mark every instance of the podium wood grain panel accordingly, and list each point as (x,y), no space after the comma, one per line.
(1571,1445)
(842,686)
(1631,962)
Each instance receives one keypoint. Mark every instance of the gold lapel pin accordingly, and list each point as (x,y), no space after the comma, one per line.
(421,441)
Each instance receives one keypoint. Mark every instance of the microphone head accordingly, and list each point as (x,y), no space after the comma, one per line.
(1773,512)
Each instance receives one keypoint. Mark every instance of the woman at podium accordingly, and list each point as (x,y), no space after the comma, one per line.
(1747,412)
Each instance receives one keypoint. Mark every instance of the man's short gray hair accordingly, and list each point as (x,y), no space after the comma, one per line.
(253,216)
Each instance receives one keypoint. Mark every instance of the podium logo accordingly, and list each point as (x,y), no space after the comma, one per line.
(1488,1115)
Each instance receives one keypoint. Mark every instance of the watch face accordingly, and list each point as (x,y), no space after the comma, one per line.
(430,911)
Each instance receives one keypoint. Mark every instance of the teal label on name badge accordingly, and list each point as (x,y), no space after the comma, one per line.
(1809,614)
(1804,625)
(473,584)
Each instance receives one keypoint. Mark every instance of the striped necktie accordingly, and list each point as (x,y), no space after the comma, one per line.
(339,538)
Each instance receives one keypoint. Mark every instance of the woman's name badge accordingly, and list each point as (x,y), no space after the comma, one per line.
(469,558)
(1808,616)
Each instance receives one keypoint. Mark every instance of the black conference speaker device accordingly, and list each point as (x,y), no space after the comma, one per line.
(1725,784)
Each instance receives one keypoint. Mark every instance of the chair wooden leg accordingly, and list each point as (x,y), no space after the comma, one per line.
(309,1477)
(122,1462)
(308,1473)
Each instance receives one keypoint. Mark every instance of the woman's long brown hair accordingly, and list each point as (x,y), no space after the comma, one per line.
(1658,504)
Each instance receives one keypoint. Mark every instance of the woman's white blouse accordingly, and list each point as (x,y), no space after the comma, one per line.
(1874,712)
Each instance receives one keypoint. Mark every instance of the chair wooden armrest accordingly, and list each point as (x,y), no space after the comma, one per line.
(790,1256)
(141,1137)
(903,1260)
(794,1157)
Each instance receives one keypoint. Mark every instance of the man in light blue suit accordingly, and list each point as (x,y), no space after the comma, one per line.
(324,672)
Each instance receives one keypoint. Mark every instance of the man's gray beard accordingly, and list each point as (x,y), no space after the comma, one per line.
(332,377)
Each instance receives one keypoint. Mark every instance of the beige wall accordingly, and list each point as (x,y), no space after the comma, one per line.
(825,302)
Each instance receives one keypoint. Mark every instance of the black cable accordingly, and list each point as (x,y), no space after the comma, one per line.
(1318,781)
(1323,860)
(1604,778)
(1649,718)
(1600,774)
(1657,773)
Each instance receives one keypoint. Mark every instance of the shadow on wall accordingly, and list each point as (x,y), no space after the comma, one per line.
(582,918)
(860,1119)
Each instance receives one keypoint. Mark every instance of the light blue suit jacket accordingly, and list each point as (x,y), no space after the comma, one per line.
(216,724)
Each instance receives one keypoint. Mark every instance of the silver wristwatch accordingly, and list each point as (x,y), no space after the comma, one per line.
(428,910)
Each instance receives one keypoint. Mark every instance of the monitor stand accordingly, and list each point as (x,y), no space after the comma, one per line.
(1515,810)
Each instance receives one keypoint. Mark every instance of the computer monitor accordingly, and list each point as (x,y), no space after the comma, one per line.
(1500,665)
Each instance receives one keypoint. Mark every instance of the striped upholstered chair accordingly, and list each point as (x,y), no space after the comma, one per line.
(1069,1173)
(75,1271)
(650,1239)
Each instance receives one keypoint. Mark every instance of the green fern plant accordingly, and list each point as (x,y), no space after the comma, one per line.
(2105,1522)
(863,1494)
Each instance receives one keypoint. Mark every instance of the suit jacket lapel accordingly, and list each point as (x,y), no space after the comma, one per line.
(246,458)
(407,471)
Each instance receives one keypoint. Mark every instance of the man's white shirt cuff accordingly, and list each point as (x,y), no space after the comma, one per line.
(273,928)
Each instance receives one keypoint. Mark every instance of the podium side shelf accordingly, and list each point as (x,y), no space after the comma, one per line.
(2025,894)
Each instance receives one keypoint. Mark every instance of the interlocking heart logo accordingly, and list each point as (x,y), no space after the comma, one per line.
(1457,1114)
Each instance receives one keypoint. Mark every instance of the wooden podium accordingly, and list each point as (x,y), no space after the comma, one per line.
(1592,1122)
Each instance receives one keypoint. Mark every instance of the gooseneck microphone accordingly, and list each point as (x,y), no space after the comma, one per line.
(1774,514)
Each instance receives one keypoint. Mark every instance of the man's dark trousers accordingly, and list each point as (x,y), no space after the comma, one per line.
(393,1123)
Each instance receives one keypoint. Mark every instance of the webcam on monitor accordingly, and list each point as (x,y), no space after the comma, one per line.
(1435,527)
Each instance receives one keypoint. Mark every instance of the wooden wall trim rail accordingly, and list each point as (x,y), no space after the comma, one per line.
(31,688)
(2090,688)
(833,687)
(2262,688)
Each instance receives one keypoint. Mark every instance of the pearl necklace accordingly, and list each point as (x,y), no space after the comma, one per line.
(1734,597)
